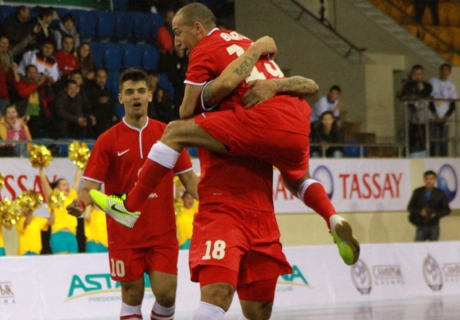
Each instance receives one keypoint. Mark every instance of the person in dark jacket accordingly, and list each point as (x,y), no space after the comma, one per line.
(427,205)
(326,131)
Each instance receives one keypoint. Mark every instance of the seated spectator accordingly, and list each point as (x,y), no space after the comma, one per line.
(71,119)
(12,52)
(67,62)
(330,102)
(174,64)
(16,27)
(35,95)
(6,78)
(43,59)
(102,103)
(66,28)
(160,107)
(86,61)
(165,35)
(29,233)
(184,220)
(13,128)
(44,19)
(326,131)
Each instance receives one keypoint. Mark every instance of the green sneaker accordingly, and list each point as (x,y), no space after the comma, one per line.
(343,237)
(113,205)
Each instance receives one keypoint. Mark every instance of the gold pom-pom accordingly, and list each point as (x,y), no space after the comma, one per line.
(178,206)
(10,212)
(29,201)
(2,181)
(40,156)
(56,200)
(79,153)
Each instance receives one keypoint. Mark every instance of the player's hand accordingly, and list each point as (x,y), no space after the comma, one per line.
(82,122)
(261,90)
(75,209)
(423,213)
(266,46)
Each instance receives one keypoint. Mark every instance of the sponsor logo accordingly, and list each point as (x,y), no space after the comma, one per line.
(451,272)
(6,294)
(122,152)
(432,273)
(387,275)
(296,278)
(98,287)
(324,175)
(361,277)
(447,181)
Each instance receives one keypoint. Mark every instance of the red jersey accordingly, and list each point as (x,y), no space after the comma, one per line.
(215,52)
(116,160)
(242,182)
(67,62)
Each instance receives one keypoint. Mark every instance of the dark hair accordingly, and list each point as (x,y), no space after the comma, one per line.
(67,36)
(31,66)
(430,173)
(335,88)
(327,113)
(416,67)
(446,65)
(10,106)
(135,75)
(88,63)
(44,12)
(68,17)
(54,184)
(19,9)
(47,41)
(194,12)
(69,82)
(74,72)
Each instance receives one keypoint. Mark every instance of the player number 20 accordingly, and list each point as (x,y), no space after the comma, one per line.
(118,268)
(218,250)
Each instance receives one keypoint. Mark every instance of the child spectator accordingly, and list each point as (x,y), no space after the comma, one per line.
(13,128)
(66,28)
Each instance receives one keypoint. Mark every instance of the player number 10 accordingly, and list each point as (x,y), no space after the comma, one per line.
(118,268)
(218,252)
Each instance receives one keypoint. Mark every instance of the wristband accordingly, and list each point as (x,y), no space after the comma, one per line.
(82,204)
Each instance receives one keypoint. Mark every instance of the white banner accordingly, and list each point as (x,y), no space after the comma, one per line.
(79,286)
(448,170)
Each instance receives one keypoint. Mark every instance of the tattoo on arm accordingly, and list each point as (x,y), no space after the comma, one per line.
(209,95)
(246,65)
(296,85)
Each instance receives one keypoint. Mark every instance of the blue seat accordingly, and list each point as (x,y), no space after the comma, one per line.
(123,25)
(132,55)
(156,21)
(150,57)
(141,26)
(98,50)
(113,56)
(164,83)
(105,25)
(6,11)
(352,149)
(120,111)
(86,23)
(112,83)
(120,5)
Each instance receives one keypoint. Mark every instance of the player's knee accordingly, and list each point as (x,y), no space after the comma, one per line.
(132,293)
(258,311)
(218,294)
(166,299)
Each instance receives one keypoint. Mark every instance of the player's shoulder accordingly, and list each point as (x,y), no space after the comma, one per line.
(113,132)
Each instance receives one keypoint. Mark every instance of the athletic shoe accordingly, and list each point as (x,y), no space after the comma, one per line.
(113,205)
(343,237)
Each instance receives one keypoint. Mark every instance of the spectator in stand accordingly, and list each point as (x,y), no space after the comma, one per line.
(29,230)
(441,111)
(44,19)
(35,95)
(67,62)
(6,78)
(103,105)
(327,131)
(330,102)
(67,28)
(165,35)
(71,119)
(160,107)
(184,220)
(43,59)
(13,128)
(174,64)
(86,61)
(427,205)
(16,27)
(83,91)
(419,9)
(13,52)
(413,90)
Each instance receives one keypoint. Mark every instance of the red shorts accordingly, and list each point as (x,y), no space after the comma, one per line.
(288,151)
(130,264)
(242,240)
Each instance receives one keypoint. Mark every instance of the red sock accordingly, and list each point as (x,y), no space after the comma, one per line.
(150,176)
(316,198)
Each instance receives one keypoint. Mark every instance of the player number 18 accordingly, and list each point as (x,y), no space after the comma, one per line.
(218,252)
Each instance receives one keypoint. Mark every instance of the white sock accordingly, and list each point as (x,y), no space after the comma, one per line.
(130,312)
(207,311)
(163,155)
(334,220)
(162,313)
(242,317)
(304,186)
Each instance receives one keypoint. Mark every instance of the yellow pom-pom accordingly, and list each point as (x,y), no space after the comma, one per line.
(2,181)
(29,201)
(79,153)
(56,200)
(10,212)
(40,156)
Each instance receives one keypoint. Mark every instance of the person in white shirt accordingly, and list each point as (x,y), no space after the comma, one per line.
(43,59)
(441,111)
(330,102)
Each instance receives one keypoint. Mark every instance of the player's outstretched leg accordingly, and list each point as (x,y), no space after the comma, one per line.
(312,193)
(114,207)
